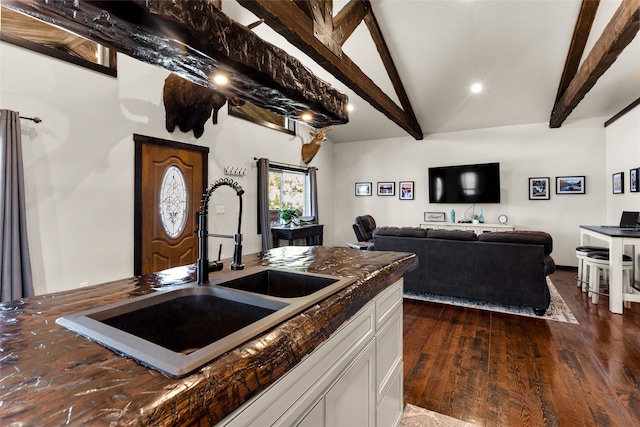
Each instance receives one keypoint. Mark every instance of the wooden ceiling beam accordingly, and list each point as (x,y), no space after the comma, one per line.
(288,20)
(305,6)
(581,32)
(387,61)
(350,16)
(619,32)
(194,40)
(322,15)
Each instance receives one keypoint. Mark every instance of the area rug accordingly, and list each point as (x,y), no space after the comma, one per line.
(558,309)
(415,416)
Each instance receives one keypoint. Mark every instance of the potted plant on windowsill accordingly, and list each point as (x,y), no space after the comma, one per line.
(288,216)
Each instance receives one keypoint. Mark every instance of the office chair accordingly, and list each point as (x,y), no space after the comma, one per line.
(363,227)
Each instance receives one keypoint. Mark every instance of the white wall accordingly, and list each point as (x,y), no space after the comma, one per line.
(79,168)
(79,164)
(623,154)
(577,148)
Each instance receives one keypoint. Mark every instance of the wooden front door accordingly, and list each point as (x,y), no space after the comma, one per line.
(170,178)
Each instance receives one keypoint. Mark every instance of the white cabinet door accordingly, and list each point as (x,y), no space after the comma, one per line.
(315,417)
(391,406)
(354,379)
(351,402)
(388,351)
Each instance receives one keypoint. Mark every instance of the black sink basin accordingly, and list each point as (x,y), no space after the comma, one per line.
(179,329)
(188,323)
(279,283)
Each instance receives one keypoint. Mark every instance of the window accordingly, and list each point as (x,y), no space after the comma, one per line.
(33,34)
(288,189)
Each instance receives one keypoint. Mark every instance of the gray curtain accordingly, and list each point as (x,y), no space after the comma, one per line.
(15,276)
(264,222)
(313,192)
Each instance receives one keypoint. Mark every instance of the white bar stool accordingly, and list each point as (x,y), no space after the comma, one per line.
(583,272)
(596,261)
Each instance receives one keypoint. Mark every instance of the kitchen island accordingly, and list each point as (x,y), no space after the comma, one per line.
(52,376)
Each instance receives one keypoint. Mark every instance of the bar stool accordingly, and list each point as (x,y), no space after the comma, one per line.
(583,273)
(596,261)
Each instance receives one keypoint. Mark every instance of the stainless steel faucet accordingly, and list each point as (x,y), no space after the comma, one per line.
(203,260)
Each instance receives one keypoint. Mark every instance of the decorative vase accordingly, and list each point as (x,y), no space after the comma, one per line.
(452,216)
(475,221)
(481,217)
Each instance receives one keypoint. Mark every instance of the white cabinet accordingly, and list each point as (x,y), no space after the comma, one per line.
(315,417)
(354,379)
(476,228)
(351,401)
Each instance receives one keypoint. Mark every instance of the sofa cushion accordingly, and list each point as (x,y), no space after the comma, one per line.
(400,231)
(520,236)
(452,235)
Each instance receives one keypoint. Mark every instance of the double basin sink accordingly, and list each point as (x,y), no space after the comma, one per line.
(179,329)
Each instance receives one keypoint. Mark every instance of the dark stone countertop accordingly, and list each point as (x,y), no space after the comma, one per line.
(52,376)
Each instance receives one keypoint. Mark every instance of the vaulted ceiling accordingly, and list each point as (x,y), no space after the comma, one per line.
(518,50)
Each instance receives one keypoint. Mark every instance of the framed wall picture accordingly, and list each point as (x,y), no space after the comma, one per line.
(386,188)
(434,217)
(363,188)
(539,188)
(634,180)
(617,182)
(570,185)
(405,190)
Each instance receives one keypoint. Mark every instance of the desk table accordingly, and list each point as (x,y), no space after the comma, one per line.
(311,233)
(617,238)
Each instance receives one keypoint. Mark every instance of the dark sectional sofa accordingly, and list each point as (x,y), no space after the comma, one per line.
(503,267)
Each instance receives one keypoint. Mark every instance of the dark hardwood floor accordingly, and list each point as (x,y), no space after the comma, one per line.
(495,369)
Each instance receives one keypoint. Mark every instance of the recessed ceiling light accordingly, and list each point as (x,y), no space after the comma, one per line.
(349,107)
(220,79)
(476,88)
(306,116)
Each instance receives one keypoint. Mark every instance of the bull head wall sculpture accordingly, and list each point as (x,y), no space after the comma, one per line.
(310,149)
(189,106)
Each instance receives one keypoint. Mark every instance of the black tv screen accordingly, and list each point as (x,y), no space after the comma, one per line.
(465,184)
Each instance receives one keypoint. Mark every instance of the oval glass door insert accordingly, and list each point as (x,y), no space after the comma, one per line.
(173,201)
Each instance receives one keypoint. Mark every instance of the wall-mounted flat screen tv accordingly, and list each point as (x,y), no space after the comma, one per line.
(465,184)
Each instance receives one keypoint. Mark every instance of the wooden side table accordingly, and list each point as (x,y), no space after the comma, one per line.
(311,233)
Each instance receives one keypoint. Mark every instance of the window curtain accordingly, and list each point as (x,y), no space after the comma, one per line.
(15,276)
(264,223)
(313,192)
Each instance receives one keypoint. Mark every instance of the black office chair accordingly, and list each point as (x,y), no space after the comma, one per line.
(363,227)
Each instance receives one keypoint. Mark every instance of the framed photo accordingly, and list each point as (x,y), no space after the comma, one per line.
(617,182)
(434,217)
(570,185)
(634,180)
(405,189)
(386,189)
(539,188)
(363,188)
